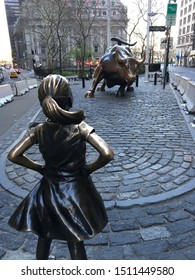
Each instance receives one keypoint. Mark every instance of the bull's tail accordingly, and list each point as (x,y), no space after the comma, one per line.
(120,41)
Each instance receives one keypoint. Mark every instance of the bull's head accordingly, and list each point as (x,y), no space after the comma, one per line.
(129,66)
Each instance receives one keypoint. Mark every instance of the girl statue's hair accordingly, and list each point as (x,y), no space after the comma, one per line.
(56,98)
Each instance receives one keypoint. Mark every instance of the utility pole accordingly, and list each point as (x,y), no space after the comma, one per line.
(171,17)
(148,42)
(166,59)
(108,23)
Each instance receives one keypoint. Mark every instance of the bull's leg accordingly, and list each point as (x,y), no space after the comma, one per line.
(102,87)
(121,91)
(98,76)
(129,88)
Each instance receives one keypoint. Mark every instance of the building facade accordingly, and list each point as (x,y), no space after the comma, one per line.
(186,34)
(12,8)
(27,48)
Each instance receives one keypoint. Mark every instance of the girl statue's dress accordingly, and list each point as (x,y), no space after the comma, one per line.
(65,204)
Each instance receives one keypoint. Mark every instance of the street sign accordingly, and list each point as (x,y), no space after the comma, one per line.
(157,28)
(163,43)
(171,14)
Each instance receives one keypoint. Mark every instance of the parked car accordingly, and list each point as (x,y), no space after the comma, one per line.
(13,74)
(1,76)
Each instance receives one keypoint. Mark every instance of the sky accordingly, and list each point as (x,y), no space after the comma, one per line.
(5,49)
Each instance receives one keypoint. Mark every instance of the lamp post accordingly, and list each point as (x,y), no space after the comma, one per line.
(147,41)
(108,23)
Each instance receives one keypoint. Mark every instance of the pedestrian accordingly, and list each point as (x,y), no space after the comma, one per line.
(65,204)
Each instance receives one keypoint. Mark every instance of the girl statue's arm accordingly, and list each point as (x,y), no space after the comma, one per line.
(105,152)
(16,155)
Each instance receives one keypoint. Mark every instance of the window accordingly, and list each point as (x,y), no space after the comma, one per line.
(96,48)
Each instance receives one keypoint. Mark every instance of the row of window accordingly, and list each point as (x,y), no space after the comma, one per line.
(103,2)
(186,29)
(187,9)
(185,2)
(186,39)
(187,19)
(104,13)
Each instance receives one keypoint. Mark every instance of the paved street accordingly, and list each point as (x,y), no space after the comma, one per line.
(148,189)
(183,71)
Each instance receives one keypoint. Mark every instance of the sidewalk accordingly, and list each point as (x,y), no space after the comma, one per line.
(148,189)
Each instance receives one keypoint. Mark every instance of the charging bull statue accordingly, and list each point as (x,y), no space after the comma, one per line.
(116,67)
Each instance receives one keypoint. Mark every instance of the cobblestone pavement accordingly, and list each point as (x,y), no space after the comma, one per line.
(148,189)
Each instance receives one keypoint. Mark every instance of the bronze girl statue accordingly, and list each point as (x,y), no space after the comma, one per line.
(65,204)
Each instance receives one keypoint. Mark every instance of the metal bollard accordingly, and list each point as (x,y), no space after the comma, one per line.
(167,76)
(137,78)
(83,82)
(155,78)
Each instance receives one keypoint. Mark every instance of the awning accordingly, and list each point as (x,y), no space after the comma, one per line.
(192,53)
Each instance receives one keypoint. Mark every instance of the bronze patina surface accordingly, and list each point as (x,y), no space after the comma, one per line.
(116,67)
(65,204)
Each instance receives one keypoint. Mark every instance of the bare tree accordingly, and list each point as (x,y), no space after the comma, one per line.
(84,13)
(49,23)
(139,9)
(137,24)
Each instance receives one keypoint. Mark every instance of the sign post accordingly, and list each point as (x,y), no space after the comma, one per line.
(171,20)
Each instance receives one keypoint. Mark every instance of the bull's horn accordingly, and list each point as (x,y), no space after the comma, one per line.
(120,41)
(141,61)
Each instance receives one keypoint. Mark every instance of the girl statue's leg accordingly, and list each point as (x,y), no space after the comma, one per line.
(77,251)
(43,248)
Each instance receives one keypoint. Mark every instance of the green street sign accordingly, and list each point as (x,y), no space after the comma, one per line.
(171,9)
(171,14)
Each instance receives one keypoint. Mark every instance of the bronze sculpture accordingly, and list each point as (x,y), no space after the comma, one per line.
(65,205)
(116,67)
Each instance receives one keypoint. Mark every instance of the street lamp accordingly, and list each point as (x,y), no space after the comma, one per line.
(147,42)
(108,23)
(149,15)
